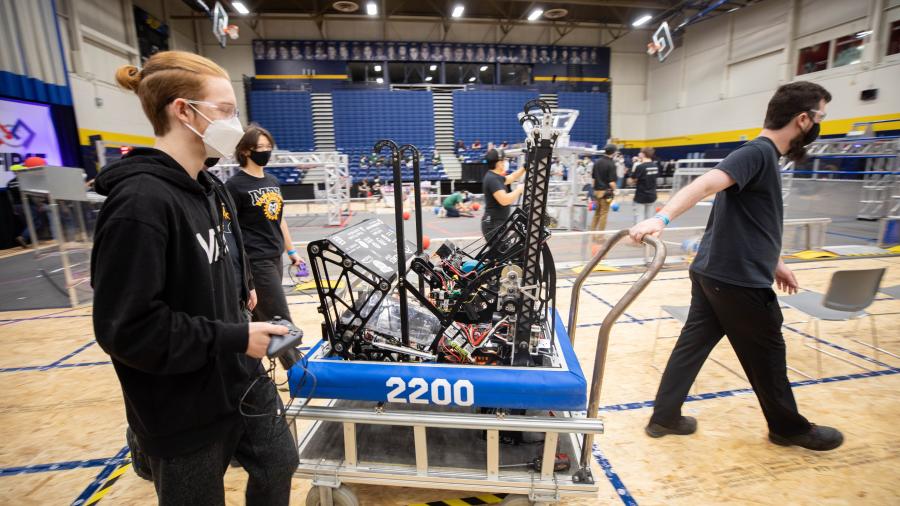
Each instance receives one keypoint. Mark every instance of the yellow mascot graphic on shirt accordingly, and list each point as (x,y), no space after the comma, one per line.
(269,199)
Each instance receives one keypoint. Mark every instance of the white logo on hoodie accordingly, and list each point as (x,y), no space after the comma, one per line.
(212,247)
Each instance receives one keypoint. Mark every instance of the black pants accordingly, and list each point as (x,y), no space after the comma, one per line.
(270,298)
(264,447)
(751,317)
(489,224)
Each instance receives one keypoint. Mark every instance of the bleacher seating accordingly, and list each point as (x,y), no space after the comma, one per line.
(287,175)
(287,114)
(592,125)
(489,115)
(361,118)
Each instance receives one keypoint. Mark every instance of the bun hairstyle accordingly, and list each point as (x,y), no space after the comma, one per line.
(128,77)
(167,75)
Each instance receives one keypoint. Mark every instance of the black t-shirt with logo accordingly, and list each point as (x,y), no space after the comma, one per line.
(495,211)
(259,209)
(645,187)
(742,242)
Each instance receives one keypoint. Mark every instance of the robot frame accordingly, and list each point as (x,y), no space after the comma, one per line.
(486,303)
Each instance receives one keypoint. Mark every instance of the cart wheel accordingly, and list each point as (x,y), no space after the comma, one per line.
(516,500)
(341,496)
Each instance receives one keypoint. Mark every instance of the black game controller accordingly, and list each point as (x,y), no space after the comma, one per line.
(284,347)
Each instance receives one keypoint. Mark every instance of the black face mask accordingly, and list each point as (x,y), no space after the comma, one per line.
(210,162)
(797,149)
(260,158)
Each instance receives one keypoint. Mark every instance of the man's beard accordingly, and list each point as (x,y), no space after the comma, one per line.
(796,150)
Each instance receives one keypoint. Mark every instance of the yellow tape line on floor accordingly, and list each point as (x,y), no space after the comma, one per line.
(100,493)
(465,501)
(311,285)
(812,255)
(601,267)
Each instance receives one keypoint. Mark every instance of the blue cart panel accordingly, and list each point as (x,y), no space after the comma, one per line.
(545,388)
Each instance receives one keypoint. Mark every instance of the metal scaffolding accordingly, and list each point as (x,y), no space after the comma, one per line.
(335,176)
(882,163)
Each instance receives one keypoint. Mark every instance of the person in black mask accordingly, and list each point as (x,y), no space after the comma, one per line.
(257,196)
(732,275)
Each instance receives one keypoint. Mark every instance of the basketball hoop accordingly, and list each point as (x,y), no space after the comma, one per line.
(232,31)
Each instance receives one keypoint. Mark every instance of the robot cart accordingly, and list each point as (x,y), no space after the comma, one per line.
(432,444)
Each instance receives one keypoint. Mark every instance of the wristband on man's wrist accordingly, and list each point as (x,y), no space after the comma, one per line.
(292,252)
(663,218)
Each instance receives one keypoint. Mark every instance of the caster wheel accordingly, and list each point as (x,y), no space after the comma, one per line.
(341,496)
(516,500)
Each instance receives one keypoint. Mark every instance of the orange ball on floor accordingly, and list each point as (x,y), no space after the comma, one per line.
(405,215)
(476,206)
(426,241)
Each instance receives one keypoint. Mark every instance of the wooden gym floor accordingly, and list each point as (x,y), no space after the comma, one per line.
(62,419)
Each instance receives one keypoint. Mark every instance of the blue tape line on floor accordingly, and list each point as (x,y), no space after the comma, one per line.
(70,355)
(837,347)
(17,320)
(56,466)
(44,316)
(111,465)
(628,406)
(613,478)
(60,366)
(867,239)
(602,300)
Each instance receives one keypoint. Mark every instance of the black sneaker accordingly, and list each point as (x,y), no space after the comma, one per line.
(819,438)
(139,462)
(684,426)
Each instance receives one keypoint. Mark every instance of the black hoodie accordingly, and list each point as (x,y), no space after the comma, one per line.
(167,302)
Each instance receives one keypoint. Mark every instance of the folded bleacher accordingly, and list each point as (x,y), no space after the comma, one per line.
(288,116)
(361,118)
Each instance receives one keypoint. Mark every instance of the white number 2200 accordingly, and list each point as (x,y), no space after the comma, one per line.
(462,393)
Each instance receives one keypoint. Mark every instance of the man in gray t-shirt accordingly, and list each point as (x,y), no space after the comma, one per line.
(731,277)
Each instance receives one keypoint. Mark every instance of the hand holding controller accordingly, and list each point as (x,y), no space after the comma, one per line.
(284,346)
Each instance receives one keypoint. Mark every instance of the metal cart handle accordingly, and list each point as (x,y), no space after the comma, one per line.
(659,257)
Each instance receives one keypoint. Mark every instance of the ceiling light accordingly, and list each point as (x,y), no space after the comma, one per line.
(379,80)
(432,68)
(864,34)
(457,11)
(345,6)
(535,14)
(428,79)
(240,7)
(483,68)
(642,20)
(377,68)
(372,9)
(472,79)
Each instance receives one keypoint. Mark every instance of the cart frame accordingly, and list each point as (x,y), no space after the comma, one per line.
(543,486)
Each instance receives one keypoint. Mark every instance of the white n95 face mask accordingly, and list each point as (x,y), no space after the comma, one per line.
(221,136)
